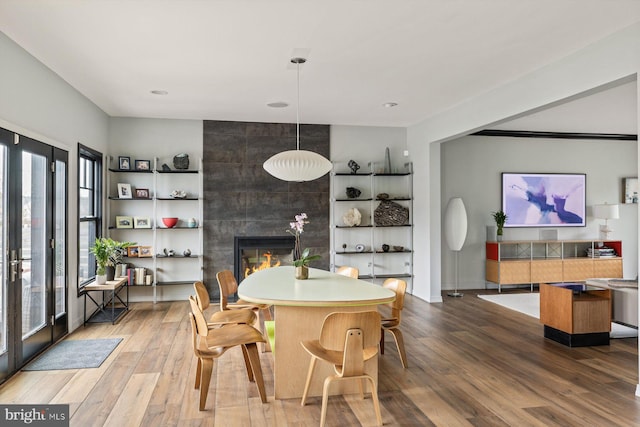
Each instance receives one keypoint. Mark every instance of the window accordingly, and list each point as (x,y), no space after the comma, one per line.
(89,210)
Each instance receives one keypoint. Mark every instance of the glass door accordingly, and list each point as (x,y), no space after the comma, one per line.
(33,291)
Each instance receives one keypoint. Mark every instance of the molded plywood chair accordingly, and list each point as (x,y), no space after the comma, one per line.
(221,318)
(209,344)
(352,272)
(392,323)
(346,341)
(229,286)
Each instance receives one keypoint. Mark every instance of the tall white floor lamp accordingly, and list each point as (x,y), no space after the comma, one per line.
(455,232)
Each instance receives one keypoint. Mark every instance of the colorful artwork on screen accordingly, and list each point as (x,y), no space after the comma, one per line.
(544,200)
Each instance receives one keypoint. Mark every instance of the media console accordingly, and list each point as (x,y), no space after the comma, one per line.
(520,262)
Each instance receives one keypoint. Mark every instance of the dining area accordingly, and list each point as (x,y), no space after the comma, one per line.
(322,339)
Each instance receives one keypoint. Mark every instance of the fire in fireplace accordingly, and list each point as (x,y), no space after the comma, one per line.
(254,253)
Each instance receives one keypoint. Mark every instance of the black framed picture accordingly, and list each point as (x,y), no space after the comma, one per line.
(124,163)
(143,165)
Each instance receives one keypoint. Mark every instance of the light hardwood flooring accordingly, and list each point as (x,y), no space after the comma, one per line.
(471,362)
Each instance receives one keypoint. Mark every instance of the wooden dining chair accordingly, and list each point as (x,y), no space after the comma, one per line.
(391,322)
(220,318)
(352,272)
(209,344)
(229,286)
(347,341)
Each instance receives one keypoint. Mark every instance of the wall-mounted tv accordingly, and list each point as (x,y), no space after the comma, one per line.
(544,199)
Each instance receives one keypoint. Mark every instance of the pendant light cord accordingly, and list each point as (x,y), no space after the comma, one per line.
(298,110)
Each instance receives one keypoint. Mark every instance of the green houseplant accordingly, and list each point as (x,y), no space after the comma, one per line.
(108,253)
(500,218)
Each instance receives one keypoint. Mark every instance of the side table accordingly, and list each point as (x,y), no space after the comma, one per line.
(575,315)
(107,310)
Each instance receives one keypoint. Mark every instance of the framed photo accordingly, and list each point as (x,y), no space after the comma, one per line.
(631,190)
(143,165)
(142,193)
(124,163)
(141,222)
(544,199)
(124,191)
(124,222)
(145,251)
(132,251)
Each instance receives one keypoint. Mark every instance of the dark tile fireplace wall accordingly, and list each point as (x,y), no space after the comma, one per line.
(242,199)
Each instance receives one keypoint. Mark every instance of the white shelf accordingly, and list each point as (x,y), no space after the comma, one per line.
(373,263)
(166,270)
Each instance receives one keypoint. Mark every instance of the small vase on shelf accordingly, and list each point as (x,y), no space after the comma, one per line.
(302,272)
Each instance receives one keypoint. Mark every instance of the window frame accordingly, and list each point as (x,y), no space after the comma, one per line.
(88,154)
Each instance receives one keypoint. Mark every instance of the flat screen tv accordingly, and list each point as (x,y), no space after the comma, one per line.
(544,199)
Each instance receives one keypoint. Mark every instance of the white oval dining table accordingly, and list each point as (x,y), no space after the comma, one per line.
(300,306)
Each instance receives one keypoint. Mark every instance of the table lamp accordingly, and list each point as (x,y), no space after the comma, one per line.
(606,212)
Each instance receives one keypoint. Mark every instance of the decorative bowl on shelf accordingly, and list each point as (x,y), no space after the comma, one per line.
(170,222)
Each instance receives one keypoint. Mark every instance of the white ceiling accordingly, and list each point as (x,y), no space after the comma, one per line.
(226,60)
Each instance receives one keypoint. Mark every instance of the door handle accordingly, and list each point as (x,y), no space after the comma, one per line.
(15,266)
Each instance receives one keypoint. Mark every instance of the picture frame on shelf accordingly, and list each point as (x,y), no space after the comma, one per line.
(124,163)
(141,222)
(124,191)
(124,222)
(142,193)
(132,251)
(630,190)
(143,165)
(145,251)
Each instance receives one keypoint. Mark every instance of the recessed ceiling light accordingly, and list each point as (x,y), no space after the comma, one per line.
(279,104)
(390,104)
(159,92)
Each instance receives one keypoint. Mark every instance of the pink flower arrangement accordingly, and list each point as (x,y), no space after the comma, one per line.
(300,257)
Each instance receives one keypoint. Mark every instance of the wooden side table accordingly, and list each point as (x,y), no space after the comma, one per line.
(575,315)
(107,310)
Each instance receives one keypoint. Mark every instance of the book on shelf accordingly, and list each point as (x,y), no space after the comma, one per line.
(602,252)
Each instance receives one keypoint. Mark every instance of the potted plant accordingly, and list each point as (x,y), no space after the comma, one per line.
(500,218)
(301,258)
(108,253)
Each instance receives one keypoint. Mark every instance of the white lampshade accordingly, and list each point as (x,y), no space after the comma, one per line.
(455,224)
(297,165)
(606,211)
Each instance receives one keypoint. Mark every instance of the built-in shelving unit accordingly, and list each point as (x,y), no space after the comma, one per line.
(166,268)
(361,245)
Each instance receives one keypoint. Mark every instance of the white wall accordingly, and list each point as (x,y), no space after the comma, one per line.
(605,63)
(146,139)
(471,169)
(37,103)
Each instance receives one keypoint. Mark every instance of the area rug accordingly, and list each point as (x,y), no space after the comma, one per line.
(74,354)
(529,303)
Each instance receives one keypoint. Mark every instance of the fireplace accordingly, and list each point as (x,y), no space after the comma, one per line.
(253,253)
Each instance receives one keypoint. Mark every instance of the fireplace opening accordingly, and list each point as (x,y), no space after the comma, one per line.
(254,253)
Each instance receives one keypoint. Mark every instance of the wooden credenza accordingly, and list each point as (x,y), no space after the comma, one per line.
(519,262)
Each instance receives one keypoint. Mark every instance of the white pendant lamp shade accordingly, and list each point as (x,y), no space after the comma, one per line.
(455,224)
(297,165)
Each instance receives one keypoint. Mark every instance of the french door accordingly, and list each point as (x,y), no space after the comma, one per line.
(33,236)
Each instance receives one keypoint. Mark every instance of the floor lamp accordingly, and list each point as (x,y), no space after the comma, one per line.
(455,231)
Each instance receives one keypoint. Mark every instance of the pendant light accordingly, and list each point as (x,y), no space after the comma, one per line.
(297,165)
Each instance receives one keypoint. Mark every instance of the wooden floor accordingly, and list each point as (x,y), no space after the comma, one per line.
(471,362)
